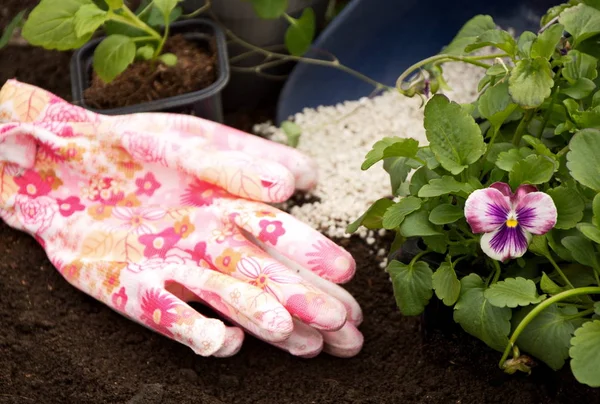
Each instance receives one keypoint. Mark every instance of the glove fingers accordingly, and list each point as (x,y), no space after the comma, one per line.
(294,240)
(343,343)
(241,302)
(305,342)
(234,337)
(240,258)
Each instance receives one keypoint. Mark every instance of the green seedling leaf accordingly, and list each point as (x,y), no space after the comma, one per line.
(293,133)
(513,292)
(88,19)
(580,89)
(412,286)
(548,335)
(590,231)
(51,25)
(530,82)
(524,44)
(420,178)
(496,105)
(398,170)
(534,169)
(579,65)
(446,284)
(301,32)
(581,21)
(168,58)
(112,56)
(478,317)
(417,224)
(373,217)
(497,38)
(453,135)
(155,17)
(443,186)
(581,250)
(446,213)
(569,206)
(428,157)
(469,33)
(390,147)
(269,9)
(114,4)
(549,286)
(583,158)
(10,28)
(145,52)
(585,353)
(395,214)
(165,6)
(545,44)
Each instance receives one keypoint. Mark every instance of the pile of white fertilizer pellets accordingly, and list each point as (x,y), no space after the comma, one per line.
(338,138)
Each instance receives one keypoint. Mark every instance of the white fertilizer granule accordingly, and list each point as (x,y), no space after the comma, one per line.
(338,138)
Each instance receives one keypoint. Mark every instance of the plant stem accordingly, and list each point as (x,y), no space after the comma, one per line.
(560,272)
(521,128)
(419,255)
(133,21)
(590,290)
(441,58)
(161,44)
(199,11)
(548,112)
(562,151)
(582,313)
(497,273)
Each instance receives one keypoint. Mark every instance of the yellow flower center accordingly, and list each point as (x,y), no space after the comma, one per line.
(156,315)
(512,222)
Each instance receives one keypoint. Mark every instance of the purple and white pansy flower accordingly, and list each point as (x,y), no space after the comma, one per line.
(507,220)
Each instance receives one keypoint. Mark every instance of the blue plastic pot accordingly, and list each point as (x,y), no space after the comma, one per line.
(381,38)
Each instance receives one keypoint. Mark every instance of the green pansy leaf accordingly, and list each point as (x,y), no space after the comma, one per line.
(539,245)
(398,170)
(513,292)
(583,158)
(478,317)
(468,34)
(390,147)
(10,28)
(548,335)
(112,56)
(579,65)
(438,244)
(581,21)
(446,284)
(546,42)
(549,286)
(428,157)
(165,6)
(453,135)
(580,89)
(301,32)
(569,206)
(417,224)
(420,178)
(145,52)
(114,4)
(497,38)
(51,25)
(169,59)
(412,286)
(443,186)
(446,213)
(596,210)
(373,217)
(590,231)
(524,44)
(581,250)
(530,82)
(495,104)
(269,9)
(534,169)
(585,353)
(395,214)
(293,132)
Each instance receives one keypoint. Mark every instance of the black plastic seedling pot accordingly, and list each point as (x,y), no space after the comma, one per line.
(205,103)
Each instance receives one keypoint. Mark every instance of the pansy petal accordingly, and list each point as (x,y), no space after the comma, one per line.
(486,210)
(505,243)
(521,192)
(502,187)
(536,212)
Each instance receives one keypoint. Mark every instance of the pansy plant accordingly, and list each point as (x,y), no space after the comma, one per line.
(504,200)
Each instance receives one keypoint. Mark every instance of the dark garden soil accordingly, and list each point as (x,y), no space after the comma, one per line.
(145,81)
(57,345)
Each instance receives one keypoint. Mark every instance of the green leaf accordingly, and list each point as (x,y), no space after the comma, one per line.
(453,135)
(428,157)
(596,210)
(438,244)
(545,44)
(398,170)
(114,4)
(395,214)
(412,286)
(580,89)
(548,336)
(51,25)
(301,32)
(585,353)
(269,9)
(569,206)
(583,158)
(165,6)
(539,246)
(581,249)
(581,21)
(168,58)
(420,178)
(495,104)
(446,284)
(112,56)
(468,34)
(513,292)
(443,186)
(549,286)
(507,160)
(478,317)
(88,19)
(373,217)
(292,131)
(417,225)
(446,213)
(579,65)
(590,231)
(145,52)
(495,37)
(534,169)
(530,82)
(155,17)
(399,147)
(524,44)
(10,28)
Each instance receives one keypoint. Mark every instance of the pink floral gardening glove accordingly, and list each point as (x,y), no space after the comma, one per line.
(145,212)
